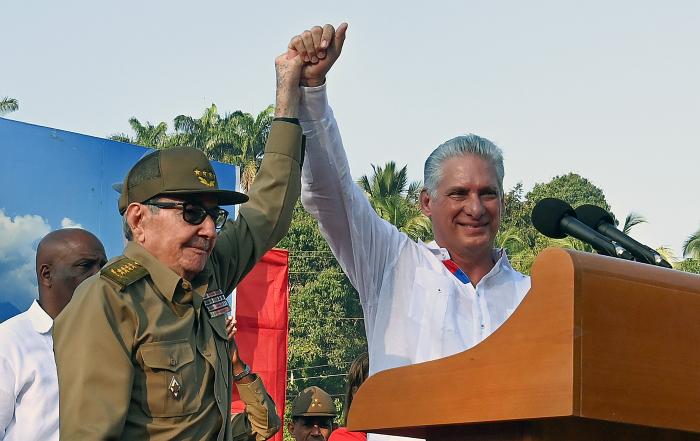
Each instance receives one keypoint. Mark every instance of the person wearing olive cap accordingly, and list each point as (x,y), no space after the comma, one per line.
(313,412)
(142,350)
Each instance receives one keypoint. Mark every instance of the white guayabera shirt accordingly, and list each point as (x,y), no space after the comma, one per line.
(415,309)
(28,382)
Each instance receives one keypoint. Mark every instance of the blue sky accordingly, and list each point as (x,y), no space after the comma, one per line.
(53,179)
(606,89)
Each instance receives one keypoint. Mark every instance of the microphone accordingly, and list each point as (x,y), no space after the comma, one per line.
(602,221)
(556,219)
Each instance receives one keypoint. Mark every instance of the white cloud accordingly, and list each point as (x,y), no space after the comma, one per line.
(18,239)
(67,222)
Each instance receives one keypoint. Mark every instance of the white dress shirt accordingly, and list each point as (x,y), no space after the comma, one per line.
(415,309)
(28,382)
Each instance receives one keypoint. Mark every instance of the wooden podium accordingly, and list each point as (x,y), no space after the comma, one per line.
(599,349)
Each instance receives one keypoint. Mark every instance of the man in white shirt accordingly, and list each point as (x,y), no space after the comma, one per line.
(420,301)
(28,383)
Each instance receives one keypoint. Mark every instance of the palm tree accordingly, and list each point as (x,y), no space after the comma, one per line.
(395,200)
(236,138)
(249,138)
(8,105)
(203,133)
(691,247)
(668,255)
(147,134)
(632,220)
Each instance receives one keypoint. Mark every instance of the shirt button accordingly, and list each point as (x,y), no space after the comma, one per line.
(186,285)
(172,361)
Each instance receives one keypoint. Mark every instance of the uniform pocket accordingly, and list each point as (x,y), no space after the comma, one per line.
(171,383)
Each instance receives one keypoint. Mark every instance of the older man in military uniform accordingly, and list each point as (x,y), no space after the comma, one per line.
(142,350)
(313,412)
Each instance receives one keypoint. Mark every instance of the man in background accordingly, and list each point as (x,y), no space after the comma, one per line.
(313,412)
(28,383)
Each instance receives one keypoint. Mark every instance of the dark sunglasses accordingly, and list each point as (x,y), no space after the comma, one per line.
(195,214)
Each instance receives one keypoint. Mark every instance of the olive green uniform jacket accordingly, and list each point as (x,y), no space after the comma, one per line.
(139,356)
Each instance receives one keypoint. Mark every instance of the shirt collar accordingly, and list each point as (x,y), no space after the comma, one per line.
(41,321)
(164,278)
(497,254)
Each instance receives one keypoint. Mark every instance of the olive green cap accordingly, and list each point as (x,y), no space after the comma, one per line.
(177,171)
(313,401)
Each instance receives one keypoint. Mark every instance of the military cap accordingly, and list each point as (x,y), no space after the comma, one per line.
(313,401)
(177,171)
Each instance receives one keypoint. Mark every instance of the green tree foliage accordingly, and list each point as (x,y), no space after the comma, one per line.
(8,105)
(395,200)
(147,134)
(691,247)
(326,328)
(633,219)
(234,138)
(689,265)
(571,188)
(517,234)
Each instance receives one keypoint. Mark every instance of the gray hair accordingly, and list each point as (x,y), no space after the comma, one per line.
(126,229)
(469,144)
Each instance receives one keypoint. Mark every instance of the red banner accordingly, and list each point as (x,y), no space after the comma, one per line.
(262,313)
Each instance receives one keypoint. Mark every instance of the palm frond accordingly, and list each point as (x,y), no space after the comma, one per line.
(691,247)
(631,220)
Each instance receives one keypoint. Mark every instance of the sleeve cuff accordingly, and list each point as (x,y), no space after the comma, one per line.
(252,392)
(285,119)
(314,103)
(279,140)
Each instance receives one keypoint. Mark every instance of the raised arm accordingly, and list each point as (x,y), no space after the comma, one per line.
(363,243)
(266,217)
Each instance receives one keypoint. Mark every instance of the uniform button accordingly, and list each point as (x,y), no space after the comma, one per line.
(172,361)
(186,285)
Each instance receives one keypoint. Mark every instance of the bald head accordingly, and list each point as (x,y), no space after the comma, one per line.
(64,258)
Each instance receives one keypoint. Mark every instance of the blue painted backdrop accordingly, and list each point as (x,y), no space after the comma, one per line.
(50,179)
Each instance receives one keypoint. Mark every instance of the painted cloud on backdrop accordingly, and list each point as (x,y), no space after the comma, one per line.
(19,237)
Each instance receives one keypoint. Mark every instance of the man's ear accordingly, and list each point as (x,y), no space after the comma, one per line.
(135,216)
(424,200)
(45,275)
(290,428)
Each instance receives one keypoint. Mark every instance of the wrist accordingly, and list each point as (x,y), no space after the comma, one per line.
(239,374)
(287,103)
(312,82)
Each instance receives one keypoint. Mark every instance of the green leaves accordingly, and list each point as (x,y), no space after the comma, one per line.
(326,327)
(395,200)
(8,105)
(236,138)
(691,247)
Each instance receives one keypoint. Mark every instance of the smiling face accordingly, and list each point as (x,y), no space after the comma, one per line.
(181,246)
(465,209)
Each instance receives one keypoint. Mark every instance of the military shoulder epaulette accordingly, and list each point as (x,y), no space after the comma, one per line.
(124,272)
